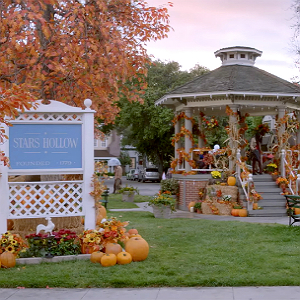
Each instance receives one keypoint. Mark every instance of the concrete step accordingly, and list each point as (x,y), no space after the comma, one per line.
(270,196)
(266,190)
(268,212)
(271,203)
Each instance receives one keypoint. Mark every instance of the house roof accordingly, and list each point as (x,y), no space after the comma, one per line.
(102,153)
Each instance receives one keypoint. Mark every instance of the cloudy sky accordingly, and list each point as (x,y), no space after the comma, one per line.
(203,26)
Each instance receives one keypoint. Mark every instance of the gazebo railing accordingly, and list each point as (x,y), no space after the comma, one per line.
(288,166)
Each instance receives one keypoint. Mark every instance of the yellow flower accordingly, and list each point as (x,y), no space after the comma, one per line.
(10,249)
(4,241)
(91,240)
(88,236)
(14,242)
(98,240)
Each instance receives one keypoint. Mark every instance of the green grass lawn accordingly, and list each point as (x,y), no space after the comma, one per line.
(183,252)
(115,201)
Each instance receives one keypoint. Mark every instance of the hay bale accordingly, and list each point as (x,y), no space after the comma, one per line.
(224,209)
(205,208)
(29,225)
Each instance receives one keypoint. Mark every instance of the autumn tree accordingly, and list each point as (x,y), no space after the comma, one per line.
(76,49)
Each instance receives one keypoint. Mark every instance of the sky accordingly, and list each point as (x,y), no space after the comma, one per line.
(201,27)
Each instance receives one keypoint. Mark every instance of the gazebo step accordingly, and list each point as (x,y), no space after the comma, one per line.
(271,212)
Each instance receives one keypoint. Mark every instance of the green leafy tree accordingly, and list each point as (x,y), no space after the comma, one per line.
(148,127)
(124,159)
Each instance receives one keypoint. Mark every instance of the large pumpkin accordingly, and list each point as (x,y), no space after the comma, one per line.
(113,248)
(138,248)
(102,211)
(124,258)
(231,181)
(243,212)
(235,212)
(8,260)
(96,257)
(108,260)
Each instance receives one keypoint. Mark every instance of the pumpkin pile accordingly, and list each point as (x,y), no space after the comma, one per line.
(136,249)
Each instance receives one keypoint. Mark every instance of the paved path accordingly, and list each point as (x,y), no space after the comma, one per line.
(220,293)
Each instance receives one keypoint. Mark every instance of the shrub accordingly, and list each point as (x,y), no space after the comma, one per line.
(169,185)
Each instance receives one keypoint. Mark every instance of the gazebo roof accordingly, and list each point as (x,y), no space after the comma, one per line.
(237,76)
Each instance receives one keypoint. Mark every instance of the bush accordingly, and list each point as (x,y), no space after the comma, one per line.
(171,185)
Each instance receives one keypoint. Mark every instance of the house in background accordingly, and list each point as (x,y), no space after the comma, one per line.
(107,148)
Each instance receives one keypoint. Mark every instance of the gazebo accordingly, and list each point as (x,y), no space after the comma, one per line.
(236,88)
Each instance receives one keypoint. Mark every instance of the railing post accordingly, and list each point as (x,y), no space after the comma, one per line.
(250,204)
(282,163)
(297,184)
(237,167)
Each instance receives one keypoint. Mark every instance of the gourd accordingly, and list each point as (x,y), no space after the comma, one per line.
(124,258)
(108,260)
(243,212)
(231,181)
(8,260)
(113,248)
(96,257)
(138,248)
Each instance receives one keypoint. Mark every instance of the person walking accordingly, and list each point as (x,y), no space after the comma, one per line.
(256,152)
(118,178)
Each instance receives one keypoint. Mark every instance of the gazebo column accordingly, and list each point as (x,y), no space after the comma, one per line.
(176,146)
(233,122)
(187,142)
(280,131)
(201,143)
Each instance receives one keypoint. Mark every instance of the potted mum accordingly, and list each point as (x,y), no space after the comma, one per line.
(197,207)
(169,185)
(128,193)
(163,205)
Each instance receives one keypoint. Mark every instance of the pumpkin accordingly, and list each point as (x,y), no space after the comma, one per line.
(8,260)
(124,258)
(10,224)
(113,248)
(231,181)
(108,260)
(134,235)
(99,218)
(255,206)
(133,231)
(138,248)
(102,210)
(297,211)
(243,212)
(96,257)
(235,212)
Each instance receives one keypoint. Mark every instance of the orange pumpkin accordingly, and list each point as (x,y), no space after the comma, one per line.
(99,218)
(124,258)
(231,181)
(297,211)
(108,260)
(243,212)
(133,231)
(8,260)
(102,211)
(113,248)
(96,257)
(255,206)
(134,235)
(138,248)
(235,212)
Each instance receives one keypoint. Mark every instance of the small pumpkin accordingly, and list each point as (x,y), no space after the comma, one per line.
(8,260)
(108,260)
(134,235)
(191,204)
(297,211)
(243,212)
(102,211)
(231,181)
(235,212)
(124,258)
(113,248)
(138,248)
(96,257)
(255,205)
(133,231)
(10,224)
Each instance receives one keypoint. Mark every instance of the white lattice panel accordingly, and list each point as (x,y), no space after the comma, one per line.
(49,117)
(40,199)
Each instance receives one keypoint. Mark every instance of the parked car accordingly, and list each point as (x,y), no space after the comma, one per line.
(149,174)
(132,174)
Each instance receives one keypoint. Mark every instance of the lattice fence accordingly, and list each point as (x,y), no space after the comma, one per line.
(57,117)
(41,199)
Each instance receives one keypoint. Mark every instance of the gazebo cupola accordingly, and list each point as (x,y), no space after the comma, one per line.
(238,55)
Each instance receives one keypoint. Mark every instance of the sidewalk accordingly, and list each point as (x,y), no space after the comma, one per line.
(219,293)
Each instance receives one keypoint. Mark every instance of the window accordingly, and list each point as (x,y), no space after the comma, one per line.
(243,56)
(95,143)
(231,55)
(103,143)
